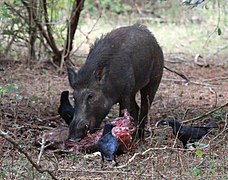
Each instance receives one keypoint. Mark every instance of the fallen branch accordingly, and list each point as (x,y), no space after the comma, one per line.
(148,150)
(179,74)
(206,114)
(200,83)
(215,79)
(17,146)
(104,172)
(174,80)
(188,82)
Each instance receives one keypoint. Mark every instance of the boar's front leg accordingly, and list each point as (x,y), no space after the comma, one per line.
(125,104)
(131,106)
(134,112)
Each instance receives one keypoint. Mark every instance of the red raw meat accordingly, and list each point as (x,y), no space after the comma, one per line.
(123,131)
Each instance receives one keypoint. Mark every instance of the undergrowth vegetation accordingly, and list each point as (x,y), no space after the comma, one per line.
(178,27)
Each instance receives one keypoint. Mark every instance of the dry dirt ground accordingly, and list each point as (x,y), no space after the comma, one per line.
(30,107)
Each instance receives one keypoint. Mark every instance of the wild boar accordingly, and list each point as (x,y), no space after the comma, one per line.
(119,64)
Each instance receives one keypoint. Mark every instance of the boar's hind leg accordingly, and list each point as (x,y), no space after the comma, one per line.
(147,96)
(143,112)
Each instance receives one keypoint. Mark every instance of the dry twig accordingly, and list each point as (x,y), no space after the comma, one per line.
(215,79)
(17,146)
(189,82)
(104,172)
(206,114)
(179,74)
(148,150)
(43,142)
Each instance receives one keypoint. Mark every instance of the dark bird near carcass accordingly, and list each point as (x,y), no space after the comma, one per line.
(107,145)
(66,110)
(188,133)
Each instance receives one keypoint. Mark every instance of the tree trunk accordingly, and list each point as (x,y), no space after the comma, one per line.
(34,22)
(30,5)
(73,23)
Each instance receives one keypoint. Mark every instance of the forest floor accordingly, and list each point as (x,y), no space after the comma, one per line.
(29,108)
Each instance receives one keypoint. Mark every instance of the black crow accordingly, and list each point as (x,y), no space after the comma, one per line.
(188,133)
(66,111)
(107,145)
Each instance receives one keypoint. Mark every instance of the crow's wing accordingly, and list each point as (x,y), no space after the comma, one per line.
(198,133)
(185,133)
(68,117)
(189,132)
(66,112)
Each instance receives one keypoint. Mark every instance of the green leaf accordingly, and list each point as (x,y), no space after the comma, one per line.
(61,4)
(6,91)
(8,85)
(219,31)
(199,153)
(196,171)
(110,115)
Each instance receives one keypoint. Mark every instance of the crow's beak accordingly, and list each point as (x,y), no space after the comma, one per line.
(86,129)
(162,122)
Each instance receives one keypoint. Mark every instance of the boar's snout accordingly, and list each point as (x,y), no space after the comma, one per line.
(77,133)
(79,129)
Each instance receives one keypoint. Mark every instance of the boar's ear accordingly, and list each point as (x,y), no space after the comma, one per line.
(100,73)
(72,76)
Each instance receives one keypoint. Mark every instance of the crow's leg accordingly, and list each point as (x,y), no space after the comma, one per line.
(102,160)
(192,142)
(116,163)
(184,144)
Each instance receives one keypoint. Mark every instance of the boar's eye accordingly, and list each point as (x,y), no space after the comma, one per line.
(90,98)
